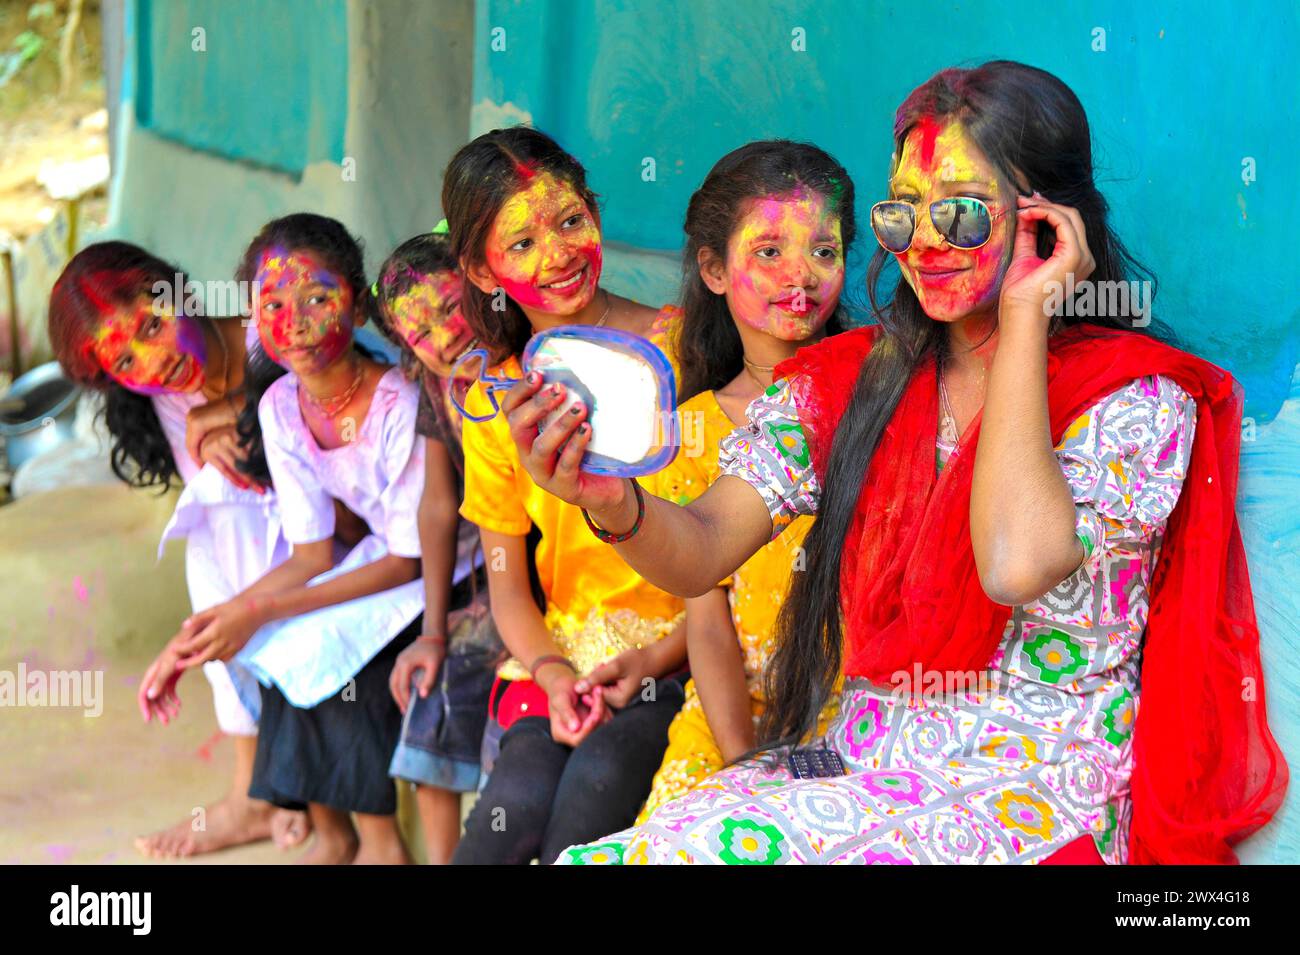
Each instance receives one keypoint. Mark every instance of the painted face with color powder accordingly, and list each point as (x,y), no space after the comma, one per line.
(427,317)
(544,247)
(148,349)
(785,265)
(304,316)
(938,161)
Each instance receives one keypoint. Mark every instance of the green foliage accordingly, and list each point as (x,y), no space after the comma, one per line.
(26,47)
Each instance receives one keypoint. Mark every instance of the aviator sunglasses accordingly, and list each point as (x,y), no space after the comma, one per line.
(964,222)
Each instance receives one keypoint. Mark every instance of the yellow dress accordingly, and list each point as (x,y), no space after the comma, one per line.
(755,594)
(596,605)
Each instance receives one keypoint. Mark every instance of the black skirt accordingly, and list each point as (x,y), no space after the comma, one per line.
(336,753)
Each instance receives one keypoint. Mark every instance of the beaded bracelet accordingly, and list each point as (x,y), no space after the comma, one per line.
(609,538)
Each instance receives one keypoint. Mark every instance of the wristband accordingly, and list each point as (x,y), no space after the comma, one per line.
(433,638)
(549,658)
(609,538)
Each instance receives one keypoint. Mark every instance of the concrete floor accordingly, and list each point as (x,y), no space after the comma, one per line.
(79,789)
(81,589)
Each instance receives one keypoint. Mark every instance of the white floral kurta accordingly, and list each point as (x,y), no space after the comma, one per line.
(1008,769)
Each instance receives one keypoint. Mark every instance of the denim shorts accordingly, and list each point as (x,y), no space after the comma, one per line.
(442,734)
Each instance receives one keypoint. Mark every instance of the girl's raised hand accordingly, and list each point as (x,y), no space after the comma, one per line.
(1030,280)
(552,458)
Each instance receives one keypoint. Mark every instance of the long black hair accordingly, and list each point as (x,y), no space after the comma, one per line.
(708,346)
(101,276)
(338,251)
(479,180)
(1026,121)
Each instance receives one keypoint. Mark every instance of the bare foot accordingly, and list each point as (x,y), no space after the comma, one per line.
(289,828)
(391,853)
(329,850)
(234,821)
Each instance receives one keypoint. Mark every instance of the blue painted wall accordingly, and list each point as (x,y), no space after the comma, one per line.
(269,86)
(1182,94)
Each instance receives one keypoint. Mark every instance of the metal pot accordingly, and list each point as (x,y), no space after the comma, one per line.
(38,413)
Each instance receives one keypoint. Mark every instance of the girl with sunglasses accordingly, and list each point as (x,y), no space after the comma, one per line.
(1025,561)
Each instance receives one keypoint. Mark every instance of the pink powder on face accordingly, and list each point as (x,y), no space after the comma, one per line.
(427,317)
(302,336)
(554,248)
(139,344)
(931,156)
(792,293)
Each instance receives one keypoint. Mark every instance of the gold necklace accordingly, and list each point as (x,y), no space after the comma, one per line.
(752,367)
(340,401)
(608,305)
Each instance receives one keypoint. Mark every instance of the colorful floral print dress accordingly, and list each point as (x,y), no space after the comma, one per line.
(1010,767)
(755,593)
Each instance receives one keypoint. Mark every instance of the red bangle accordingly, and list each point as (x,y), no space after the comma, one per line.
(609,538)
(549,658)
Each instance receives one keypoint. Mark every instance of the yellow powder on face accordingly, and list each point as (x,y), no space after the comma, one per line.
(795,227)
(531,209)
(954,160)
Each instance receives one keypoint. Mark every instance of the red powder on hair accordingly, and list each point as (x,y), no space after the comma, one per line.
(90,287)
(524,170)
(929,133)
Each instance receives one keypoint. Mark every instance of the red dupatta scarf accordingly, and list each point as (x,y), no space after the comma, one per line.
(1207,771)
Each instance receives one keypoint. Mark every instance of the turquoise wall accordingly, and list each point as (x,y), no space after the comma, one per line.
(344,107)
(1182,94)
(264,81)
